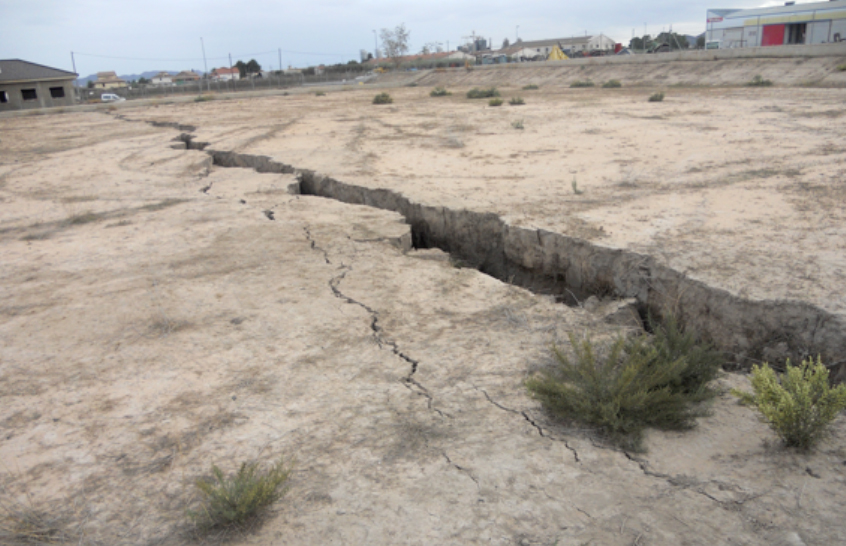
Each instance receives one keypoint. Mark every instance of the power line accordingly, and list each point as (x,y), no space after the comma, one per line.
(197,59)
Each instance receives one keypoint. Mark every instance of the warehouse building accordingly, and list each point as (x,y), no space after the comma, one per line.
(25,85)
(790,24)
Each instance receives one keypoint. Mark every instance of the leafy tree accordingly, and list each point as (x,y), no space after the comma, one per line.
(242,69)
(143,81)
(505,43)
(253,67)
(700,42)
(676,41)
(395,42)
(90,84)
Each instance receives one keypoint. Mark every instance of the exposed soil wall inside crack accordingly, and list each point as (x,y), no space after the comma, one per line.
(573,269)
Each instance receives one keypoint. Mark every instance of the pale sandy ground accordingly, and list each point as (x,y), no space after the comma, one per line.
(150,330)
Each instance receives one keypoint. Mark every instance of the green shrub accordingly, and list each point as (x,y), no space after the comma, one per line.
(841,67)
(611,84)
(495,102)
(758,81)
(656,97)
(319,94)
(203,98)
(231,501)
(439,92)
(631,385)
(530,87)
(382,98)
(516,101)
(477,93)
(586,83)
(801,406)
(517,124)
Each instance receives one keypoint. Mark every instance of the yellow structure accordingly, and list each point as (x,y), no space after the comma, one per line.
(556,54)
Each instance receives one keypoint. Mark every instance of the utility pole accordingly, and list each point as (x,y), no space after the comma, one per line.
(231,76)
(375,46)
(280,67)
(205,65)
(517,34)
(75,84)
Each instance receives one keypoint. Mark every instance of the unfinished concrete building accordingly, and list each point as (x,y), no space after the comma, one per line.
(25,85)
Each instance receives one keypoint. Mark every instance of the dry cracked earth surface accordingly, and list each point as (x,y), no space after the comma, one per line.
(160,314)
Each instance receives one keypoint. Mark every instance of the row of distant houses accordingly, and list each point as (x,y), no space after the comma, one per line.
(110,80)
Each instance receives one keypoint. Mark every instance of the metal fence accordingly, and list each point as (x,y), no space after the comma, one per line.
(271,81)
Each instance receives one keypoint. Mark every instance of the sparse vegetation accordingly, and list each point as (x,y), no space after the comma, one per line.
(382,98)
(203,98)
(319,93)
(495,102)
(530,87)
(517,124)
(631,384)
(612,84)
(759,81)
(576,189)
(477,93)
(516,101)
(656,97)
(439,92)
(232,501)
(585,83)
(800,405)
(25,523)
(841,67)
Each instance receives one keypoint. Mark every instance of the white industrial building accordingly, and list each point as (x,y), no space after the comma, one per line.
(790,24)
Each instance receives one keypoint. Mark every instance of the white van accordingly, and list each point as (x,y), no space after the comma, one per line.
(111,97)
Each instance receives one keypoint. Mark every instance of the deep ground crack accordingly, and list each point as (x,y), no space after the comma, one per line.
(531,421)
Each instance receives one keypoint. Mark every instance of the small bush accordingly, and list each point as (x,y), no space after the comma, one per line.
(319,93)
(612,84)
(495,102)
(517,124)
(656,97)
(633,384)
(576,189)
(586,83)
(516,101)
(439,92)
(801,406)
(841,67)
(203,98)
(232,501)
(412,84)
(530,87)
(382,98)
(758,81)
(477,93)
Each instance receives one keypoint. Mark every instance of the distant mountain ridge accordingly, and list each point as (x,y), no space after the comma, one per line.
(130,77)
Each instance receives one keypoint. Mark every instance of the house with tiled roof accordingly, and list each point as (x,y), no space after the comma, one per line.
(162,78)
(108,80)
(225,74)
(540,49)
(25,85)
(187,76)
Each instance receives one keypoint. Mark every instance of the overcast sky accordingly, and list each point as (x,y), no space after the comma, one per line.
(132,36)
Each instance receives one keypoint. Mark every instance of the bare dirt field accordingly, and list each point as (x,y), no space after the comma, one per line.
(161,311)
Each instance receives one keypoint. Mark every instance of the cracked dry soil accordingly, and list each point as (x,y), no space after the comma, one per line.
(150,329)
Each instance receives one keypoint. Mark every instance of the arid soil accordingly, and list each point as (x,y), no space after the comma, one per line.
(160,314)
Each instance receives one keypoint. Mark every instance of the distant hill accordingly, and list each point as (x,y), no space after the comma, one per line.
(129,77)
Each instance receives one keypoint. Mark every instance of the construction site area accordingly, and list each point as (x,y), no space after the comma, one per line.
(363,289)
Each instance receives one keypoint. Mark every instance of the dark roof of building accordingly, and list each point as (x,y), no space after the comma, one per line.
(14,70)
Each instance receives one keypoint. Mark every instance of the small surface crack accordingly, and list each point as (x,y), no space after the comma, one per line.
(531,421)
(461,469)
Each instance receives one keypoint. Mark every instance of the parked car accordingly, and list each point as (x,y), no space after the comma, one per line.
(111,97)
